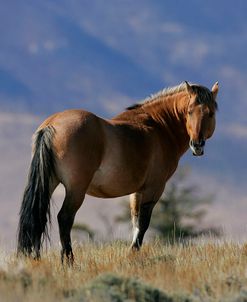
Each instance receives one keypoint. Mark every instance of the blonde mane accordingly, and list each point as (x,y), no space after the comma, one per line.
(204,95)
(165,92)
(162,93)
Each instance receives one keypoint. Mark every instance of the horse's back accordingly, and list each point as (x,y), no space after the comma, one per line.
(70,119)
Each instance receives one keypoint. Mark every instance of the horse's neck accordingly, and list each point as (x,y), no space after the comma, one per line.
(169,113)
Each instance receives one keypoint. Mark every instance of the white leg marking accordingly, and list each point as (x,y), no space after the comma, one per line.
(135,234)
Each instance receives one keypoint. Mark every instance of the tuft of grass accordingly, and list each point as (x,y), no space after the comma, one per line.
(202,271)
(111,287)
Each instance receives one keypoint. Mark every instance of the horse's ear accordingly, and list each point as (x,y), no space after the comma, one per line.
(215,90)
(188,87)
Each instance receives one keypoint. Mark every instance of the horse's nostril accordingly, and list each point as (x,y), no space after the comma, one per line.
(202,143)
(199,144)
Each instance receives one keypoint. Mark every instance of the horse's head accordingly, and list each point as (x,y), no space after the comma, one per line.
(200,115)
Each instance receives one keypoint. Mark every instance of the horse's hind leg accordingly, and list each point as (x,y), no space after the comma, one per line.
(66,215)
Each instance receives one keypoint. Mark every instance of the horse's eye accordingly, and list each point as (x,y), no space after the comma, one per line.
(211,114)
(190,112)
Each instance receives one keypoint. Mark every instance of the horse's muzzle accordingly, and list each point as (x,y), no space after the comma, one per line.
(197,147)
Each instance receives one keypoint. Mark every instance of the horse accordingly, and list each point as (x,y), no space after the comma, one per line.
(135,153)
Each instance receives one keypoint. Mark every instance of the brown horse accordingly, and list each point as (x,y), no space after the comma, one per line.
(135,152)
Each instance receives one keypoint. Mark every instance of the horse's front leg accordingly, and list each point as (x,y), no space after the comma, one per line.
(141,214)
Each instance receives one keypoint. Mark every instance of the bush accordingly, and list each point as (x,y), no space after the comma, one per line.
(113,288)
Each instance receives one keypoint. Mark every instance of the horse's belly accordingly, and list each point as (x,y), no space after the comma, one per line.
(113,182)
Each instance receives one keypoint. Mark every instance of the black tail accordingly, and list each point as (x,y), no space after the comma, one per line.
(35,208)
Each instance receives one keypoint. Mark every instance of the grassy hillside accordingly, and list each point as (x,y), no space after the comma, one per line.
(195,272)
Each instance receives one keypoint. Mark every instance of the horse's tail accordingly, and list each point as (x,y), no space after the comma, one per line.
(35,208)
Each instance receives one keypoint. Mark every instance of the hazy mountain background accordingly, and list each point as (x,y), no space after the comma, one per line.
(105,55)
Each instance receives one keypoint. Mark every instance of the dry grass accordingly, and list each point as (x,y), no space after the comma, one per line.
(203,271)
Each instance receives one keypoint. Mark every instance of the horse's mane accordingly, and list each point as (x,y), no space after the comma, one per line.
(204,95)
